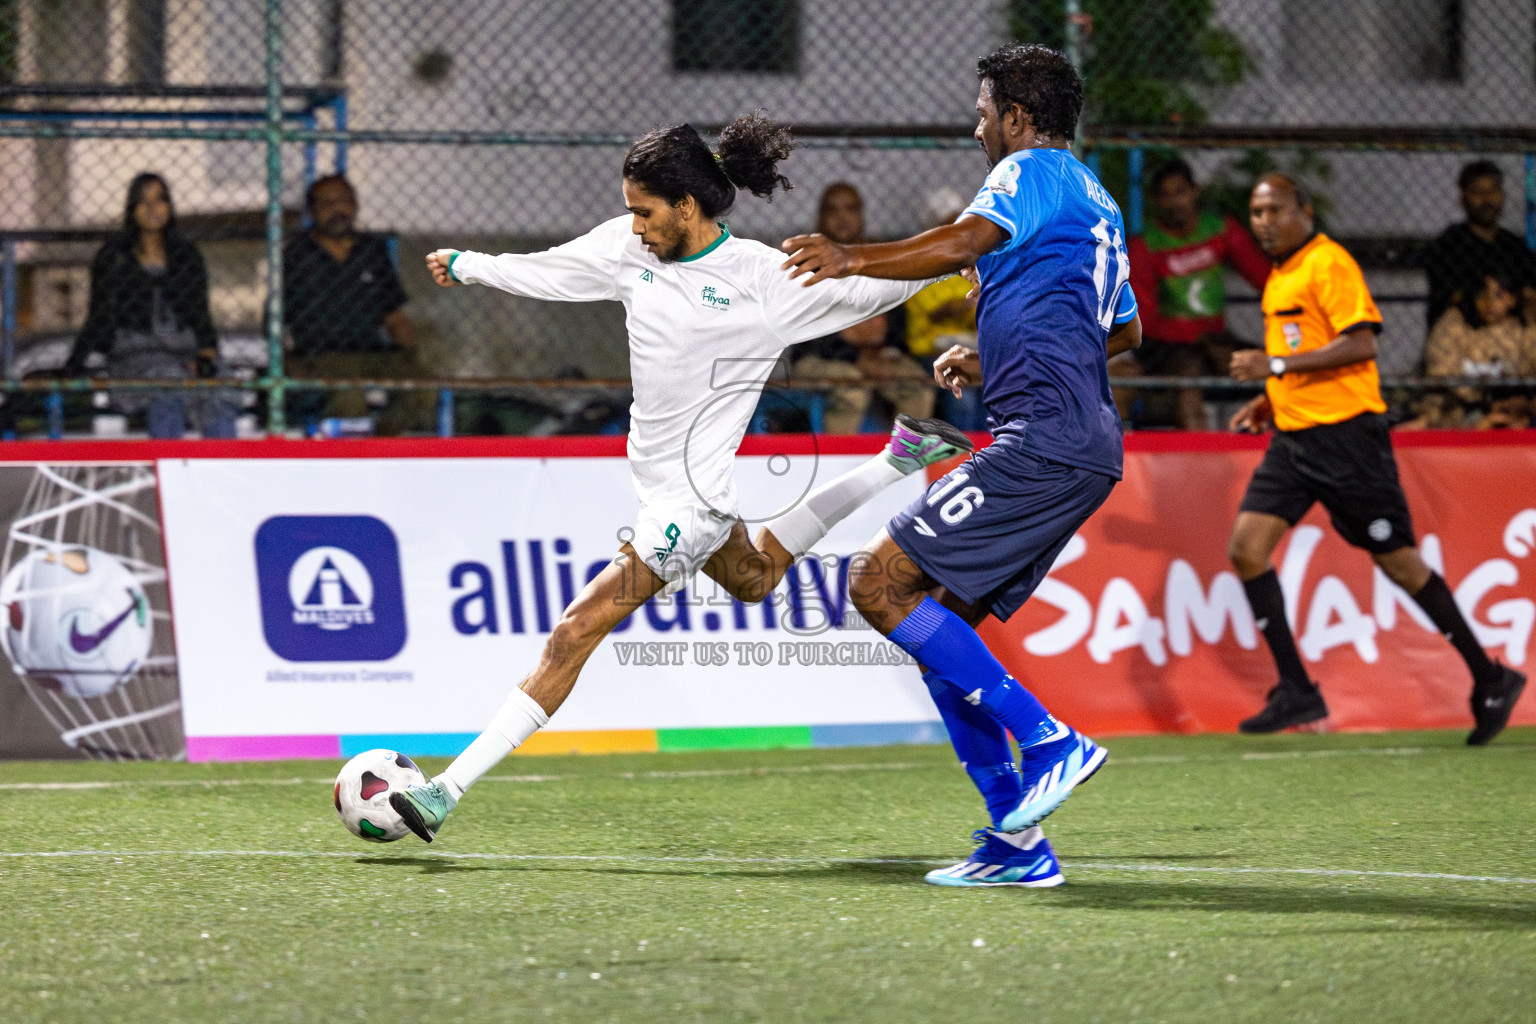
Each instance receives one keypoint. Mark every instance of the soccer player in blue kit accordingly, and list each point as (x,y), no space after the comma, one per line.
(1048,246)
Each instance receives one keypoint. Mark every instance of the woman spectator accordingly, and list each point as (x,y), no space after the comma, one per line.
(866,359)
(1482,335)
(149,316)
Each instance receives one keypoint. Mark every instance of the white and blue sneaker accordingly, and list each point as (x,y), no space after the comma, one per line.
(998,861)
(1051,772)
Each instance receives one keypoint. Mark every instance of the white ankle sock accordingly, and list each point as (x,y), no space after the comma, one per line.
(826,506)
(1022,840)
(519,718)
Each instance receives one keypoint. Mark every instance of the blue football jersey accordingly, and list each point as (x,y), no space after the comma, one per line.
(1050,293)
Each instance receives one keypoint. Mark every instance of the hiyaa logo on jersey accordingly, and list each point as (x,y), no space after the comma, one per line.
(711,298)
(330,588)
(673,534)
(1004,178)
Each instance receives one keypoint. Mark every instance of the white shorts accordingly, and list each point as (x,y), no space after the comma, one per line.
(675,542)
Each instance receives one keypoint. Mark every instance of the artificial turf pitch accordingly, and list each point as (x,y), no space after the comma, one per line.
(1214,879)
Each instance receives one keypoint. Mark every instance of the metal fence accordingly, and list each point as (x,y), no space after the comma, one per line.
(499,125)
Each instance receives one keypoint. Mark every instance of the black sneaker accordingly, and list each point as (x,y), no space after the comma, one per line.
(1286,707)
(1492,703)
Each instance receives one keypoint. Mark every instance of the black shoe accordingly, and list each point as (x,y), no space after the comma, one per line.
(1286,707)
(1492,703)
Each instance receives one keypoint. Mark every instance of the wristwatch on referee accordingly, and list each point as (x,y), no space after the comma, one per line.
(1277,366)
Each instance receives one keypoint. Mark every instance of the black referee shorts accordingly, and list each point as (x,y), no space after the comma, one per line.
(1348,467)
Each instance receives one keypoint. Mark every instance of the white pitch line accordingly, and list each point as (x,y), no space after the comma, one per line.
(1325,872)
(721,773)
(801,769)
(785,861)
(129,783)
(708,773)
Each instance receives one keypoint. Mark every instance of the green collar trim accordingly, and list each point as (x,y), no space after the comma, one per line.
(725,233)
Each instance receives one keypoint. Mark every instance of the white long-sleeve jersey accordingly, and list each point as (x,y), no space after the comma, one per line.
(704,335)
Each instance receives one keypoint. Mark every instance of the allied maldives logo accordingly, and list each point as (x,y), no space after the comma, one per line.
(330,588)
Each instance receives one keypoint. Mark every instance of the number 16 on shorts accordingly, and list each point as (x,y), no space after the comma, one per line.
(955,497)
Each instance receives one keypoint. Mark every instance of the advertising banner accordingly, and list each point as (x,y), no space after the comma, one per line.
(326,602)
(330,605)
(89,665)
(1142,626)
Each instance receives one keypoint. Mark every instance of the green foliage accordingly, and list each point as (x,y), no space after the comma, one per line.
(1227,192)
(10,39)
(1145,62)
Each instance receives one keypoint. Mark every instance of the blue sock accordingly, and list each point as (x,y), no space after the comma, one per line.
(941,640)
(981,743)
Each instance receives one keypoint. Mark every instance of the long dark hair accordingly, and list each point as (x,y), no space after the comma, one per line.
(1468,302)
(136,189)
(675,162)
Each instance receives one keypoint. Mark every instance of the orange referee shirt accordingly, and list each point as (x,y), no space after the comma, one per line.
(1316,295)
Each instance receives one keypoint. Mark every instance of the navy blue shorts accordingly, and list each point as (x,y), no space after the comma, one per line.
(990,529)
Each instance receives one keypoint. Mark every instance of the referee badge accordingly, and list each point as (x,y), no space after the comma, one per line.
(1291,331)
(1380,530)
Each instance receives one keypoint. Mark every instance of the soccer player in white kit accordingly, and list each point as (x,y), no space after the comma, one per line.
(708,316)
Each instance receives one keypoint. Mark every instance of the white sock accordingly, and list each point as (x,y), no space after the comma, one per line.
(826,506)
(1022,840)
(519,718)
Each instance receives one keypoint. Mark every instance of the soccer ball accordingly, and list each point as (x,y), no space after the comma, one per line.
(362,794)
(76,621)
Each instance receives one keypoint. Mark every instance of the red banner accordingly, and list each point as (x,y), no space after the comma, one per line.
(1142,626)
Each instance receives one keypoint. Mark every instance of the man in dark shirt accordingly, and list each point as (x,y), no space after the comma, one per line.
(342,304)
(1467,252)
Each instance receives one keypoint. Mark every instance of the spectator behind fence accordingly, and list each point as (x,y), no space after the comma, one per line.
(1458,261)
(149,316)
(1177,266)
(342,305)
(871,356)
(1483,335)
(943,315)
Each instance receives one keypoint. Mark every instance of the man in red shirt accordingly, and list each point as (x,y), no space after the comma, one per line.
(1177,265)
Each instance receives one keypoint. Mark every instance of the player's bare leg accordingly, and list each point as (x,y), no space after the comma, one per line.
(1495,687)
(914,445)
(749,571)
(624,585)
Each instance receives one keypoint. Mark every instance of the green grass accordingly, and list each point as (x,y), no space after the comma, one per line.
(786,886)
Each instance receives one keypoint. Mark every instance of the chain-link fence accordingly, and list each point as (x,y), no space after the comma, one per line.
(499,125)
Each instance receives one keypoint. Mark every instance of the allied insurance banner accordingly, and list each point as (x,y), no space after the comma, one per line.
(326,605)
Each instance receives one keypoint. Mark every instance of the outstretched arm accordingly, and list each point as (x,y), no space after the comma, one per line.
(582,270)
(800,314)
(943,250)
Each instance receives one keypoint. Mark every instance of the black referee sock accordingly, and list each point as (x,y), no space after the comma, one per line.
(1268,604)
(1440,605)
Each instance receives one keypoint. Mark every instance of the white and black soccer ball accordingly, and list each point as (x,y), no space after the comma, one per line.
(362,794)
(76,621)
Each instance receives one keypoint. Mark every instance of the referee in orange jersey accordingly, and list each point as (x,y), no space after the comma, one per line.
(1331,445)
